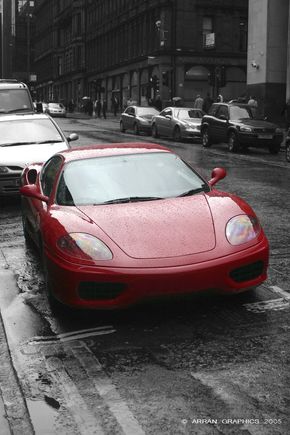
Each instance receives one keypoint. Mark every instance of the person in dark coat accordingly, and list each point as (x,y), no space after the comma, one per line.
(104,109)
(286,113)
(90,107)
(207,103)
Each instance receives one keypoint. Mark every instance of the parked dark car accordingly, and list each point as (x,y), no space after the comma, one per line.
(137,118)
(234,123)
(178,123)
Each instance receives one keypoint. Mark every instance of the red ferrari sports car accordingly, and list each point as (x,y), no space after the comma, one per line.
(119,223)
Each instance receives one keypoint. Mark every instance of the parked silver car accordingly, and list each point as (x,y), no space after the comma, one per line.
(56,109)
(178,123)
(137,118)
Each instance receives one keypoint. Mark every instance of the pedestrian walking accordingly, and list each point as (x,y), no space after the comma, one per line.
(198,102)
(104,109)
(207,103)
(115,104)
(90,107)
(220,98)
(98,108)
(253,103)
(158,103)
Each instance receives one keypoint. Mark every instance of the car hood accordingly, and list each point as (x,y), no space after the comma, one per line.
(157,229)
(257,123)
(21,155)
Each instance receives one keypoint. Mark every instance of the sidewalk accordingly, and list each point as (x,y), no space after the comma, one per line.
(81,115)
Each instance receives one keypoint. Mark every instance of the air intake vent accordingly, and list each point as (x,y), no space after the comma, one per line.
(248,272)
(100,290)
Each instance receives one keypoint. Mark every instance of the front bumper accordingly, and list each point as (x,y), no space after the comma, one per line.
(253,139)
(108,288)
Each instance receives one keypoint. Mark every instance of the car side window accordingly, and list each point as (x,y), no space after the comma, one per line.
(131,111)
(213,110)
(167,112)
(49,173)
(223,111)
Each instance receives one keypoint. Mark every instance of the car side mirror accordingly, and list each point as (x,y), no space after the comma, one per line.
(31,191)
(72,136)
(217,175)
(223,117)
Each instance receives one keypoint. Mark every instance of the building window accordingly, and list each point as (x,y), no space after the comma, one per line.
(243,39)
(208,35)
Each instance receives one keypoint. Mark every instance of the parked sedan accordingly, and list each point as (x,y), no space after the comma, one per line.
(137,118)
(120,223)
(235,124)
(25,139)
(178,123)
(56,109)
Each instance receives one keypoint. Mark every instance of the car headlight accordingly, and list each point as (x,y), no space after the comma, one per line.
(245,129)
(84,246)
(278,130)
(242,229)
(3,170)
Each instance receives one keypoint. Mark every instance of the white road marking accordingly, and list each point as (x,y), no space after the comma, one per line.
(280,292)
(107,391)
(74,335)
(85,420)
(279,304)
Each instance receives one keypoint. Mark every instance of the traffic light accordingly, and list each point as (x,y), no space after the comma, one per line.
(211,78)
(165,78)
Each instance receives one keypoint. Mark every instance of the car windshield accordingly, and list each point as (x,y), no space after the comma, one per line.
(143,111)
(22,131)
(14,100)
(238,112)
(127,178)
(188,113)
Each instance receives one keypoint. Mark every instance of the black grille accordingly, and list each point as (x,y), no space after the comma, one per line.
(248,272)
(100,290)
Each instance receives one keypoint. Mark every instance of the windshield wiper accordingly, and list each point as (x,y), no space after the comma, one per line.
(49,141)
(192,191)
(131,199)
(14,144)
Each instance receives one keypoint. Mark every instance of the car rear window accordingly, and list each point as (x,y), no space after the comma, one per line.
(15,100)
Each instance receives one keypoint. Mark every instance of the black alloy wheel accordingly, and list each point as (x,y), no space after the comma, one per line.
(154,131)
(206,140)
(233,143)
(274,148)
(177,134)
(122,129)
(136,129)
(287,155)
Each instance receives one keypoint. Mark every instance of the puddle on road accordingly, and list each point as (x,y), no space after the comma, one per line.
(43,417)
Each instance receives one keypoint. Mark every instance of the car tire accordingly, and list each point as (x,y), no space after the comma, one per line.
(233,143)
(205,137)
(155,131)
(136,129)
(27,237)
(287,151)
(122,129)
(274,149)
(177,134)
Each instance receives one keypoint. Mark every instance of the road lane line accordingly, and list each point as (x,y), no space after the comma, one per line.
(108,391)
(74,335)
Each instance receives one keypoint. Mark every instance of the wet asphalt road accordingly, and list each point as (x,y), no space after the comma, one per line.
(200,365)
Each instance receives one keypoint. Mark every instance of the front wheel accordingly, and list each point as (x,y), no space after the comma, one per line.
(233,143)
(136,129)
(274,149)
(287,155)
(154,131)
(122,129)
(206,140)
(177,134)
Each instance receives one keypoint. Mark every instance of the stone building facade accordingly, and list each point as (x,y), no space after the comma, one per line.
(136,49)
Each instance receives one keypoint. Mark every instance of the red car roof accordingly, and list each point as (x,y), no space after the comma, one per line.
(111,149)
